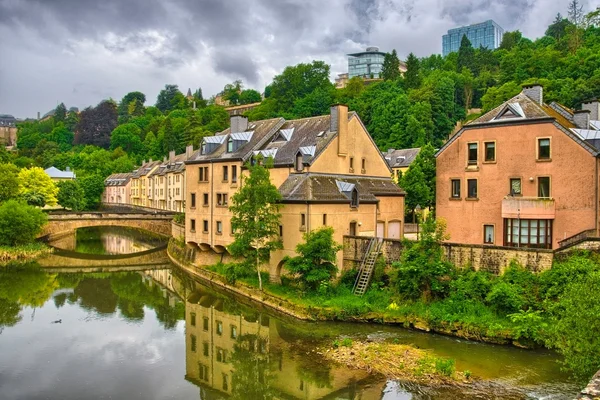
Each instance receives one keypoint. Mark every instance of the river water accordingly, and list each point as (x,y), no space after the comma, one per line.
(162,334)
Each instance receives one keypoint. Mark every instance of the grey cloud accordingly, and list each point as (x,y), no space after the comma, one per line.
(115,46)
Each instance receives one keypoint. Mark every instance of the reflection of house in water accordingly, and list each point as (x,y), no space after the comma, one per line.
(164,278)
(244,356)
(116,243)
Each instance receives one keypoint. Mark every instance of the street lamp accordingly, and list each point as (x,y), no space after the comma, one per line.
(417,211)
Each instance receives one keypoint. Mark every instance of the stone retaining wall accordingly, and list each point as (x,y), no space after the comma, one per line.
(356,246)
(177,230)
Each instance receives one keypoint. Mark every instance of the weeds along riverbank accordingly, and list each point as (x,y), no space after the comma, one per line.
(28,252)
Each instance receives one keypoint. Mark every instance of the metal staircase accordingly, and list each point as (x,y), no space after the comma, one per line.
(366,268)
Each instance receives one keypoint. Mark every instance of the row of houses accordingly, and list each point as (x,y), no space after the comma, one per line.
(524,175)
(327,169)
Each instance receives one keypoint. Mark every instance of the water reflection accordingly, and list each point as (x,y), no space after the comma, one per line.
(108,240)
(238,353)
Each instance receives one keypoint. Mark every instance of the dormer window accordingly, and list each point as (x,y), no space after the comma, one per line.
(230,145)
(354,199)
(299,162)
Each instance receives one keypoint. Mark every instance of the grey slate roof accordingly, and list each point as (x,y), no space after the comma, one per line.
(118,179)
(401,158)
(309,187)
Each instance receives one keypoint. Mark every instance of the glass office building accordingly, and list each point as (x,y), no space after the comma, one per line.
(487,34)
(367,64)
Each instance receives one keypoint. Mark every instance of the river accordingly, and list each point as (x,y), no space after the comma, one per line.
(161,334)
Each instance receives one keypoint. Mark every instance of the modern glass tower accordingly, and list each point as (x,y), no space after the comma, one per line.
(366,64)
(487,34)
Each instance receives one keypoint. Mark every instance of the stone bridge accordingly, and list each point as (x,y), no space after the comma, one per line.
(62,223)
(71,261)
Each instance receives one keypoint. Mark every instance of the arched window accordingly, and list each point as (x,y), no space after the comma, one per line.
(230,145)
(354,199)
(299,162)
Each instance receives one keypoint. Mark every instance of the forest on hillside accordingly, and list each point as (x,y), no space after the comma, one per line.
(422,107)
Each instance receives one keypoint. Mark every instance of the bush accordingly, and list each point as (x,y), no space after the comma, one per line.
(575,324)
(505,298)
(71,195)
(529,325)
(348,278)
(179,218)
(445,367)
(471,285)
(554,281)
(19,223)
(316,258)
(421,271)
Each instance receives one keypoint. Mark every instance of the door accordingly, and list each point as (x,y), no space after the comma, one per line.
(394,230)
(380,229)
(352,228)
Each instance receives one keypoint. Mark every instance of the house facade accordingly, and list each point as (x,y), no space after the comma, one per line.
(327,169)
(522,175)
(117,189)
(400,160)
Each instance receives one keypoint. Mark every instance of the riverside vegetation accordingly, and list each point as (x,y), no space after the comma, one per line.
(558,308)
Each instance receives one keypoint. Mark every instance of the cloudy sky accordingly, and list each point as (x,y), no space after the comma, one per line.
(82,51)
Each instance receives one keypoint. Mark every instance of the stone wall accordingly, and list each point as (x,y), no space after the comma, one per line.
(494,259)
(355,248)
(591,391)
(177,230)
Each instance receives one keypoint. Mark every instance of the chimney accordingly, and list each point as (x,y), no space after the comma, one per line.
(593,106)
(38,115)
(150,160)
(172,157)
(238,124)
(165,159)
(189,150)
(339,124)
(535,92)
(581,119)
(68,169)
(143,162)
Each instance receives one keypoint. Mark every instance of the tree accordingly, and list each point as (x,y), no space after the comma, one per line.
(9,183)
(390,70)
(296,82)
(124,111)
(71,195)
(510,40)
(170,98)
(255,216)
(315,263)
(249,96)
(426,162)
(35,180)
(232,91)
(93,187)
(557,29)
(19,223)
(60,113)
(417,190)
(412,77)
(61,135)
(466,55)
(96,124)
(127,137)
(575,13)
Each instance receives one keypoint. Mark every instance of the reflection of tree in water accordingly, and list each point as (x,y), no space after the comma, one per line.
(96,295)
(314,371)
(251,378)
(9,313)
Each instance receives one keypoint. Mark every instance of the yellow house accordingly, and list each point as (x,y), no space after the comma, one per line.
(400,160)
(327,168)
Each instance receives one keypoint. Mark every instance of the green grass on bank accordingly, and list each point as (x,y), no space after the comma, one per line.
(24,252)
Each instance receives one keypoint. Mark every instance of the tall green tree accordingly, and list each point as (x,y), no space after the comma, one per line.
(510,40)
(60,113)
(426,162)
(127,137)
(249,96)
(93,187)
(390,71)
(557,29)
(170,98)
(9,182)
(466,55)
(416,187)
(71,195)
(412,76)
(255,216)
(232,92)
(125,103)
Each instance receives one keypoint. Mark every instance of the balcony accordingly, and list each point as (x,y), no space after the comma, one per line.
(528,207)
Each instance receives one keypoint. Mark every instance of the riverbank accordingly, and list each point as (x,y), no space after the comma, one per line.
(27,252)
(376,306)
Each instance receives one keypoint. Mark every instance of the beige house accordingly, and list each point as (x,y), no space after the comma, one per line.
(166,190)
(117,189)
(139,183)
(327,168)
(400,160)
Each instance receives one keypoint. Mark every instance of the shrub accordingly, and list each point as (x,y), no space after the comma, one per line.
(71,195)
(179,218)
(315,262)
(348,278)
(444,366)
(529,325)
(554,281)
(19,223)
(471,285)
(421,271)
(505,298)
